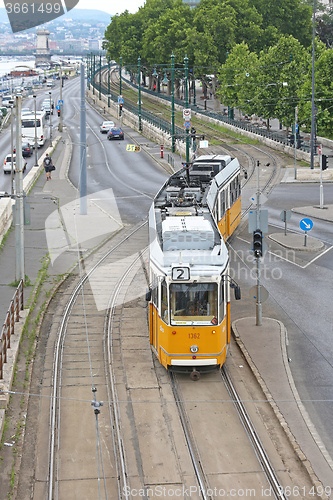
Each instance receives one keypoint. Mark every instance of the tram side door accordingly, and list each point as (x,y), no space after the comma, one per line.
(156,319)
(227,210)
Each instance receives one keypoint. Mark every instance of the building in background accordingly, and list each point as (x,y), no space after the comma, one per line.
(43,53)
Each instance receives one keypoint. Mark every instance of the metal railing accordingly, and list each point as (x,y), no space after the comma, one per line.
(220,116)
(12,316)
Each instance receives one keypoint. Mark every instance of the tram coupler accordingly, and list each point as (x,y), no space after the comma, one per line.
(195,375)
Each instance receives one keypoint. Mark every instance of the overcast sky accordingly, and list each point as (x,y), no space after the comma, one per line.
(112,6)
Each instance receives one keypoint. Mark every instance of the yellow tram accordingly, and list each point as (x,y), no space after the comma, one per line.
(189,283)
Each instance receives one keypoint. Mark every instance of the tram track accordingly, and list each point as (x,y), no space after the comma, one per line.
(247,153)
(75,307)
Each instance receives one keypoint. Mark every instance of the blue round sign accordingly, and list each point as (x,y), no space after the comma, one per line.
(306,224)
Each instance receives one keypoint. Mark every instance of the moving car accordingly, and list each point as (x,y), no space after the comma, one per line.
(115,133)
(105,127)
(7,164)
(47,107)
(27,149)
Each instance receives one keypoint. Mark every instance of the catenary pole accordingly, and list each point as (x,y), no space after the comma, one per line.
(83,149)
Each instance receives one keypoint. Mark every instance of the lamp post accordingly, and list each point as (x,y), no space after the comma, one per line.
(93,75)
(11,149)
(36,145)
(61,105)
(120,62)
(100,77)
(173,102)
(186,106)
(139,76)
(313,83)
(50,119)
(109,69)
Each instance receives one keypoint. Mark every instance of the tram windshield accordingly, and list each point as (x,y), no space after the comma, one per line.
(193,303)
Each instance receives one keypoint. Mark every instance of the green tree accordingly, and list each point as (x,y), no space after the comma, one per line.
(323,91)
(285,17)
(238,79)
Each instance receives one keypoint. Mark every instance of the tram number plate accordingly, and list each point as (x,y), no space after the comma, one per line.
(180,273)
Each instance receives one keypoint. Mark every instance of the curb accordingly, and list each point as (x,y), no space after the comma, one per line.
(291,438)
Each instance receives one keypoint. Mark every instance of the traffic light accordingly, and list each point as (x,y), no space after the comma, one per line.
(324,162)
(59,111)
(120,109)
(257,243)
(193,132)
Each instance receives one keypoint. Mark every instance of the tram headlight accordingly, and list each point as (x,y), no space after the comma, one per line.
(194,348)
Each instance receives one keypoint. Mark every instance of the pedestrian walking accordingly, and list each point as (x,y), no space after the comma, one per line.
(48,166)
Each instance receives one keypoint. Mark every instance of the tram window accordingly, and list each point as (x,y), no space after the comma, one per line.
(195,302)
(154,295)
(238,187)
(221,305)
(222,204)
(232,192)
(164,303)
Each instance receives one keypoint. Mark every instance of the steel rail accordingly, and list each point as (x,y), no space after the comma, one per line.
(57,358)
(254,438)
(122,478)
(194,452)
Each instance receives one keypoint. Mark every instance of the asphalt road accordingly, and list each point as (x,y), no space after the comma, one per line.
(300,295)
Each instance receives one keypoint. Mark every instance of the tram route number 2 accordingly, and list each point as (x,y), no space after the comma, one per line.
(180,273)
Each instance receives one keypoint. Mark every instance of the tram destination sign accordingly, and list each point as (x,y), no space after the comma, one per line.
(180,273)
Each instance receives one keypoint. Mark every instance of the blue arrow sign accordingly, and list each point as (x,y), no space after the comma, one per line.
(58,106)
(306,224)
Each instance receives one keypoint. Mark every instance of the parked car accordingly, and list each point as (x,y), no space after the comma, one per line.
(115,133)
(105,127)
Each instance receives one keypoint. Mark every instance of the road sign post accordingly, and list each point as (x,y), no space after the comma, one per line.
(306,225)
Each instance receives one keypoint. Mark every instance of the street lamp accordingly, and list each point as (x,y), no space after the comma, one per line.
(12,149)
(173,102)
(35,106)
(50,119)
(313,84)
(139,76)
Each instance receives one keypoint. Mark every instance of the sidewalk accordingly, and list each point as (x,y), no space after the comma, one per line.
(265,349)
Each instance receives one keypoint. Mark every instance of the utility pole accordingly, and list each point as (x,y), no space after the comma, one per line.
(50,119)
(139,76)
(296,110)
(258,303)
(11,150)
(186,106)
(61,105)
(313,84)
(36,145)
(173,102)
(83,149)
(19,215)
